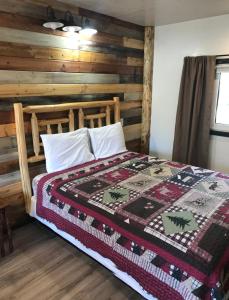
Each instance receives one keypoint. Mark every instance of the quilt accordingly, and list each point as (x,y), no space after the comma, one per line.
(162,222)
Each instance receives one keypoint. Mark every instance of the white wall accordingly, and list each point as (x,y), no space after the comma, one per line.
(173,42)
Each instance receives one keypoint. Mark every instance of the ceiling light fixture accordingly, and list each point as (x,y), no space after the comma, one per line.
(52,22)
(69,23)
(88,29)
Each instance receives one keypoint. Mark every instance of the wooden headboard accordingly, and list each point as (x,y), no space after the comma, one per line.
(105,108)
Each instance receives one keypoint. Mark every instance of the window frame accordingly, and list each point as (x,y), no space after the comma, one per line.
(217,127)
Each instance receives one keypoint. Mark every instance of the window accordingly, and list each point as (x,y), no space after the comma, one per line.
(220,121)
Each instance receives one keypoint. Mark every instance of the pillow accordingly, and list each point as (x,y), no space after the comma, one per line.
(65,150)
(107,140)
(74,133)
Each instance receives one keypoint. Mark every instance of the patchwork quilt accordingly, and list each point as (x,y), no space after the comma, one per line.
(162,222)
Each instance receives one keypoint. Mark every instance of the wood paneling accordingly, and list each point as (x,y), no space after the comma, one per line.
(23,90)
(72,41)
(38,52)
(130,96)
(132,132)
(22,8)
(10,129)
(7,179)
(131,105)
(59,5)
(133,43)
(9,164)
(102,39)
(134,145)
(37,10)
(23,77)
(39,65)
(133,61)
(108,19)
(7,191)
(39,39)
(35,61)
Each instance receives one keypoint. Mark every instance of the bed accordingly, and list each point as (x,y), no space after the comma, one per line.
(160,226)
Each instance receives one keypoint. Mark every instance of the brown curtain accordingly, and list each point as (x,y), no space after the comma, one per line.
(191,140)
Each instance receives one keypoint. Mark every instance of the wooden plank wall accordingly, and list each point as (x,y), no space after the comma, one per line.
(35,61)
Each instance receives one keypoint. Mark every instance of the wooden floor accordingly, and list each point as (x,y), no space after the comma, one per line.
(44,266)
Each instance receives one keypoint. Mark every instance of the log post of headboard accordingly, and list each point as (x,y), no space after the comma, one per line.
(37,124)
(22,153)
(116,109)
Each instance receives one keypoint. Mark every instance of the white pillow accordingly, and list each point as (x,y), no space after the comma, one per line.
(83,130)
(65,150)
(108,140)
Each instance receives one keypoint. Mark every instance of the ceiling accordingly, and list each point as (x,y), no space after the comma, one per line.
(155,12)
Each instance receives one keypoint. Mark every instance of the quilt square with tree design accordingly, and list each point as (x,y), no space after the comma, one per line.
(115,195)
(181,221)
(180,240)
(112,198)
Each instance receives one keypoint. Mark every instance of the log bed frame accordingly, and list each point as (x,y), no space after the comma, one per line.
(36,124)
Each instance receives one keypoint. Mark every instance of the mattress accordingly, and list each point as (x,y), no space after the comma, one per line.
(162,225)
